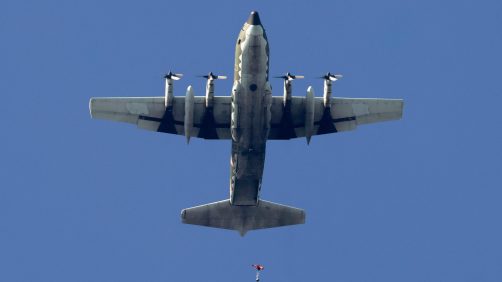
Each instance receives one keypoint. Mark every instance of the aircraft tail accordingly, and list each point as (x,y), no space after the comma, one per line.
(224,215)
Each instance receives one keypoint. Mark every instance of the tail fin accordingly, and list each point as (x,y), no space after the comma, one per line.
(224,215)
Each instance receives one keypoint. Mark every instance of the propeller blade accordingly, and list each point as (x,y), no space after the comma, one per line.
(174,76)
(335,77)
(331,77)
(289,76)
(213,76)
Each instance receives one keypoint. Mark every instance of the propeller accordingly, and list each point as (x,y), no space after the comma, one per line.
(331,77)
(288,76)
(212,76)
(173,76)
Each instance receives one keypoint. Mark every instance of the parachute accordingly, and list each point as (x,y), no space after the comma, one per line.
(258,268)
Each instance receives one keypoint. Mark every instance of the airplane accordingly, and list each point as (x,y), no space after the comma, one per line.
(249,117)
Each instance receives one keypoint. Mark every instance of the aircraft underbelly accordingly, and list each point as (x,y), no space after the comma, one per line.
(248,151)
(249,144)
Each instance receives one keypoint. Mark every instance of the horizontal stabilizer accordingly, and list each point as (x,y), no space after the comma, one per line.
(224,215)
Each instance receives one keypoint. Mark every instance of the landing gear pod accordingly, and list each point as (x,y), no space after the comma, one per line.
(234,127)
(267,102)
(309,114)
(189,102)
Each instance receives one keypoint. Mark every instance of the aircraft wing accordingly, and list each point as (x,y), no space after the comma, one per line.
(150,113)
(345,114)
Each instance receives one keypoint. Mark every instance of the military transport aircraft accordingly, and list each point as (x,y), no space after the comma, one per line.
(249,117)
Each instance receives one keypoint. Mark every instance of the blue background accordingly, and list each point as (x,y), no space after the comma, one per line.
(410,200)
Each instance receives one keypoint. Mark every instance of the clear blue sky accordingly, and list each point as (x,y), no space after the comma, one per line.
(411,200)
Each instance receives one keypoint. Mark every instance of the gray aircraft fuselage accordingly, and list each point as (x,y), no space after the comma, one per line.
(250,120)
(249,117)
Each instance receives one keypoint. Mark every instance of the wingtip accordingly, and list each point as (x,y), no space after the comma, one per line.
(91,101)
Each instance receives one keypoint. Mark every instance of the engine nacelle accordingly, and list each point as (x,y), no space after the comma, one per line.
(288,79)
(169,96)
(309,113)
(168,100)
(287,92)
(327,93)
(209,93)
(328,79)
(210,87)
(189,105)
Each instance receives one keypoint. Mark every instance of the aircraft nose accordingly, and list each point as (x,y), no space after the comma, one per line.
(254,19)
